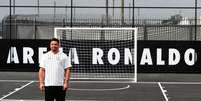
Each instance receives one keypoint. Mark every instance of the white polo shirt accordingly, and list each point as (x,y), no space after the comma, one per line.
(55,65)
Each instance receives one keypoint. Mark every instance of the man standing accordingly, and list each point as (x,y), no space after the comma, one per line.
(54,73)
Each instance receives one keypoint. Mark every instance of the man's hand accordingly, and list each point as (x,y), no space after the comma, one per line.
(41,77)
(66,86)
(66,79)
(41,86)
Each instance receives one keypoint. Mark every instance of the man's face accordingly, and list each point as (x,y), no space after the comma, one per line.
(54,46)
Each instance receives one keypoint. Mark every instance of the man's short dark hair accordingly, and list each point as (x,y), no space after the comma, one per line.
(54,39)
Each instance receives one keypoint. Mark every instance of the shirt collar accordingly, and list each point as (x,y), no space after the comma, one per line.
(56,53)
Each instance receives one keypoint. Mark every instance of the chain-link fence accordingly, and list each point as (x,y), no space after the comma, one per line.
(35,19)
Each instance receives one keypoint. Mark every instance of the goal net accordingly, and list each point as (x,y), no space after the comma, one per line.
(100,53)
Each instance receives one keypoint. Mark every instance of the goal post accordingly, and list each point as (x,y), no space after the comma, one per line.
(100,53)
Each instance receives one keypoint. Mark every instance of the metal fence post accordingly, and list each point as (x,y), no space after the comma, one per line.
(191,31)
(102,37)
(35,28)
(145,32)
(195,20)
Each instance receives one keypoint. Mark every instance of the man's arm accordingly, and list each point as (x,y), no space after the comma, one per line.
(66,78)
(41,77)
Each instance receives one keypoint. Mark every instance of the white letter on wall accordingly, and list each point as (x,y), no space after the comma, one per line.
(173,53)
(127,56)
(74,56)
(159,57)
(187,57)
(146,57)
(41,51)
(12,55)
(97,56)
(27,55)
(116,54)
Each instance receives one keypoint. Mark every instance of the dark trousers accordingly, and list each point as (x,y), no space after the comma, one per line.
(54,92)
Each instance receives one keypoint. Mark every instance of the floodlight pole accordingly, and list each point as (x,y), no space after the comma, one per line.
(113,8)
(54,12)
(38,4)
(71,11)
(10,15)
(195,19)
(129,12)
(66,11)
(133,16)
(107,12)
(10,12)
(133,36)
(13,6)
(122,12)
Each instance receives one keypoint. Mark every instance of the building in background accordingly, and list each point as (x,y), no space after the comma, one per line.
(184,21)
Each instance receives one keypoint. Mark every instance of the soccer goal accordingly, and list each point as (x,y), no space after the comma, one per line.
(100,53)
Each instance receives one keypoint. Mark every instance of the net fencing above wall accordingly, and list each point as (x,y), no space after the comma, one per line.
(33,27)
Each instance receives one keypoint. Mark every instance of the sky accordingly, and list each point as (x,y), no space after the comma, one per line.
(81,12)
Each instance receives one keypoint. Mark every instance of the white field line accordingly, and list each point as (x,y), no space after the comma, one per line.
(124,82)
(41,100)
(17,89)
(163,91)
(109,89)
(17,80)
